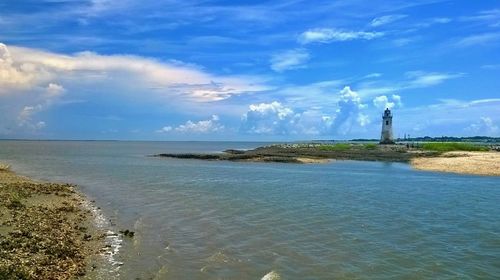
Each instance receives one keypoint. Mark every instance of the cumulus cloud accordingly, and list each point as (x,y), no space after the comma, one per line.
(275,118)
(25,118)
(382,102)
(15,75)
(165,129)
(383,20)
(291,59)
(363,119)
(269,118)
(484,125)
(54,90)
(348,112)
(327,35)
(204,126)
(26,67)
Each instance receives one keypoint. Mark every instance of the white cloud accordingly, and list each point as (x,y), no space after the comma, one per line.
(483,39)
(26,68)
(397,100)
(414,79)
(269,118)
(484,125)
(348,112)
(15,75)
(490,17)
(363,120)
(25,118)
(373,76)
(429,22)
(164,129)
(382,102)
(383,20)
(491,66)
(327,35)
(204,126)
(345,115)
(420,79)
(291,59)
(350,98)
(54,90)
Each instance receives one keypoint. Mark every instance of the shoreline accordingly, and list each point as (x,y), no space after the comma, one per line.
(47,230)
(462,162)
(474,163)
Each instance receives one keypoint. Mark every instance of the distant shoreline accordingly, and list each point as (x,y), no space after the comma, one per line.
(312,153)
(478,163)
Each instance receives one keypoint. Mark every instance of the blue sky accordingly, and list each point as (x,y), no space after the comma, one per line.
(248,70)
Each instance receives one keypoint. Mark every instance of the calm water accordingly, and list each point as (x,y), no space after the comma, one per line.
(224,220)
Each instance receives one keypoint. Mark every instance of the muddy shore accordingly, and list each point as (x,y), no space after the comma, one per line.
(46,232)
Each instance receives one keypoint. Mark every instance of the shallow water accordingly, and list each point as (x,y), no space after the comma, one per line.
(225,220)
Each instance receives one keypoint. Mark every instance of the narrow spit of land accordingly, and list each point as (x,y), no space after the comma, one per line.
(45,230)
(434,157)
(314,153)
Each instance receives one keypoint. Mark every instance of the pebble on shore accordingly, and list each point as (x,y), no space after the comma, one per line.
(45,233)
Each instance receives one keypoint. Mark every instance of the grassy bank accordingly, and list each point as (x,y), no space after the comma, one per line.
(314,152)
(453,146)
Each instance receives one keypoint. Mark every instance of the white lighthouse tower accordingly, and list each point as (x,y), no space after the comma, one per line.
(386,135)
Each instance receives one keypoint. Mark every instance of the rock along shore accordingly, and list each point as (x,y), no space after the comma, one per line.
(45,230)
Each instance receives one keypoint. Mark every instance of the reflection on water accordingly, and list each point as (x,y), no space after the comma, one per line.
(225,220)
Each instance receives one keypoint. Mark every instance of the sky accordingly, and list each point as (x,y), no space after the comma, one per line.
(248,70)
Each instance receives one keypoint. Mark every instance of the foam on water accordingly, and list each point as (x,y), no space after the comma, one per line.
(112,243)
(273,275)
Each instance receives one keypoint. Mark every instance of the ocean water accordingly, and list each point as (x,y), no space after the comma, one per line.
(227,220)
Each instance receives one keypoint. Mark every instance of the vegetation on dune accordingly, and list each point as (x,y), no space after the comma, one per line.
(453,146)
(346,146)
(335,147)
(370,146)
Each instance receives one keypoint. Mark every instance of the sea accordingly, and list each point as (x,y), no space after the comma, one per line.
(198,219)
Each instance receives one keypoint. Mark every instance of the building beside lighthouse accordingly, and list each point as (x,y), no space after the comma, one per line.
(386,135)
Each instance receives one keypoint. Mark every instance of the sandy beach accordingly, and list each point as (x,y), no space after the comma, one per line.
(45,230)
(477,163)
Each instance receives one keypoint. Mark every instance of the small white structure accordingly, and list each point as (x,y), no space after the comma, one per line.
(386,135)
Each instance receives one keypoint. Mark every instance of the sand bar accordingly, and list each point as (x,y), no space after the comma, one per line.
(477,163)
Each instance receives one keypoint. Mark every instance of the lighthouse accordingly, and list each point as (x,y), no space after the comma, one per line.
(386,135)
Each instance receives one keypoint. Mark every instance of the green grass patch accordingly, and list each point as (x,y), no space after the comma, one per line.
(452,146)
(370,146)
(335,147)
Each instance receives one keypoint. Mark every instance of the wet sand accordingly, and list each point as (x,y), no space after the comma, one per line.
(46,232)
(477,163)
